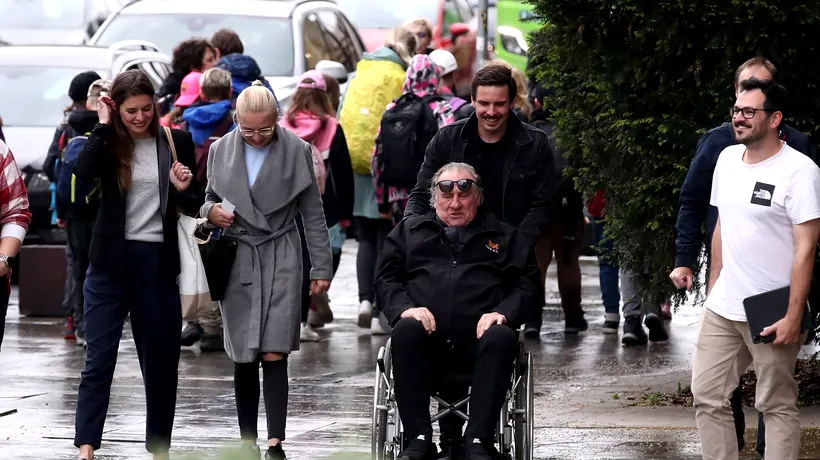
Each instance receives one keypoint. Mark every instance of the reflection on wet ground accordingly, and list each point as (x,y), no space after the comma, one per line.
(331,390)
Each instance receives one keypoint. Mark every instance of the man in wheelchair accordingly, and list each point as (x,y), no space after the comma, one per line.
(455,285)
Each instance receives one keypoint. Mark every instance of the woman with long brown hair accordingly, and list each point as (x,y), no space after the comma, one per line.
(134,257)
(311,116)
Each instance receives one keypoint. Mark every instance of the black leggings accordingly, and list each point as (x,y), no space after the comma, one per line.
(275,388)
(5,290)
(306,266)
(370,234)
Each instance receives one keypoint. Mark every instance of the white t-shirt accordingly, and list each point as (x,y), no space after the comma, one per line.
(758,205)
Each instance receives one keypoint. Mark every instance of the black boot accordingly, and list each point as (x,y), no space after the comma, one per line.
(657,331)
(633,332)
(421,448)
(191,334)
(275,453)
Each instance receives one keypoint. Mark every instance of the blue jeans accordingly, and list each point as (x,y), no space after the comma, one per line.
(607,270)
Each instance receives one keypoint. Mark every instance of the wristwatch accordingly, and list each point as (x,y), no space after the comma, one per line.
(6,259)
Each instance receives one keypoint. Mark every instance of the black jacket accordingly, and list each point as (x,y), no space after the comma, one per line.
(493,269)
(108,241)
(528,176)
(338,198)
(697,189)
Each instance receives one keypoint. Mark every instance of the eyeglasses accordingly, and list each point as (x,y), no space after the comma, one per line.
(421,34)
(748,112)
(264,132)
(447,186)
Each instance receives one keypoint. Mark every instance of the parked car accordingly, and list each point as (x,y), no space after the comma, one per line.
(454,27)
(514,28)
(285,37)
(34,83)
(50,22)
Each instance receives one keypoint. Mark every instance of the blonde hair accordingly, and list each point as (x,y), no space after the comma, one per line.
(402,41)
(215,83)
(256,99)
(421,22)
(522,100)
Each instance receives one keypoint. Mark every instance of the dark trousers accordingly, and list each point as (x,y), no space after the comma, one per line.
(79,240)
(564,238)
(247,391)
(5,291)
(371,234)
(420,361)
(306,266)
(607,269)
(150,294)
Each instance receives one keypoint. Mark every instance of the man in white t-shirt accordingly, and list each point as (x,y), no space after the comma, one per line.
(768,199)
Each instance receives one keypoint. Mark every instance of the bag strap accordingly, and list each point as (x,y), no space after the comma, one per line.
(171,143)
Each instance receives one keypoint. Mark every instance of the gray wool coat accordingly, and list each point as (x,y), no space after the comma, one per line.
(261,309)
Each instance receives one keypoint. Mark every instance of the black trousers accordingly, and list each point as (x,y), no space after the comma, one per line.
(420,360)
(275,390)
(370,234)
(150,294)
(5,292)
(79,239)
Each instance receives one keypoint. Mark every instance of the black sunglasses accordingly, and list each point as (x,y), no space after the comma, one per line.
(446,186)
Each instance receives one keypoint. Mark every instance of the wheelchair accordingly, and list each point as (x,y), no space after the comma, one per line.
(514,434)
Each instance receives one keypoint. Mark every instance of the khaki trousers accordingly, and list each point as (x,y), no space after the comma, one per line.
(723,351)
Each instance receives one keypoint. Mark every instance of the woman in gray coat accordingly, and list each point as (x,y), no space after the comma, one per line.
(267,173)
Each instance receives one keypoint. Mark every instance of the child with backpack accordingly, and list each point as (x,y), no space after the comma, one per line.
(76,204)
(188,96)
(311,116)
(407,126)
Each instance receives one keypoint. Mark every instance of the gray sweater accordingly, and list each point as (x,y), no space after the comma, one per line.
(142,217)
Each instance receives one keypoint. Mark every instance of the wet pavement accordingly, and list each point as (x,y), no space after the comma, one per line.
(587,387)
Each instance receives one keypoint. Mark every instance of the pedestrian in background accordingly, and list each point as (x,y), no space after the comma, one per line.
(379,79)
(448,66)
(423,31)
(188,96)
(312,117)
(78,92)
(15,218)
(134,257)
(267,173)
(191,55)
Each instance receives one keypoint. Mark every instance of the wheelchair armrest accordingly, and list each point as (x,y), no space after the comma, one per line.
(380,360)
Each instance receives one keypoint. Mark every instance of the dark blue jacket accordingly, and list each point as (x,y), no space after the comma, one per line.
(203,119)
(697,189)
(244,71)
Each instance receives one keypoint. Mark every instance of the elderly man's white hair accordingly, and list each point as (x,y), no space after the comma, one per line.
(455,166)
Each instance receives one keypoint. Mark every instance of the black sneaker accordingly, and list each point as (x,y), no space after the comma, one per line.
(612,322)
(421,448)
(532,331)
(633,332)
(475,450)
(210,342)
(275,453)
(657,331)
(191,334)
(574,326)
(451,448)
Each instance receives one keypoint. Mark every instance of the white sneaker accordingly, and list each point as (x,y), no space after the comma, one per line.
(309,335)
(365,312)
(314,320)
(376,327)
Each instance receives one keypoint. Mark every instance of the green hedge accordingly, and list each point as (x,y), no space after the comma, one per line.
(637,83)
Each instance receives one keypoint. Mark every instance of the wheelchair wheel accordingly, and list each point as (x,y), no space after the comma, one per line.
(380,407)
(524,410)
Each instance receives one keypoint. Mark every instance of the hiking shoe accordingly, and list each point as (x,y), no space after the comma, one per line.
(421,448)
(365,313)
(657,331)
(275,453)
(476,450)
(69,333)
(611,323)
(308,334)
(211,342)
(191,333)
(376,327)
(532,331)
(633,332)
(574,326)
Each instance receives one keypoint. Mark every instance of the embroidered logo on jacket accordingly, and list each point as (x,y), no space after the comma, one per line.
(762,194)
(492,246)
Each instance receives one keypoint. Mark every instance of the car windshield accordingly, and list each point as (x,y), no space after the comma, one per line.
(35,95)
(42,14)
(378,14)
(268,40)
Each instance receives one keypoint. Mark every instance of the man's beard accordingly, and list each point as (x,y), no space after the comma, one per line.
(751,137)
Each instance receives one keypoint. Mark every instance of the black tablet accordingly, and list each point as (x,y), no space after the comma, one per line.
(763,310)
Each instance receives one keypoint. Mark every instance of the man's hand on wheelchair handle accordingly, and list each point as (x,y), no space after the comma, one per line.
(422,315)
(487,320)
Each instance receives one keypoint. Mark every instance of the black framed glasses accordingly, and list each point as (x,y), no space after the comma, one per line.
(447,186)
(748,112)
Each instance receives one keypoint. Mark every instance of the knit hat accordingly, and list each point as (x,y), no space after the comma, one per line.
(78,90)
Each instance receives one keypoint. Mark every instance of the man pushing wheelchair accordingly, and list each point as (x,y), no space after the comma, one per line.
(455,284)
